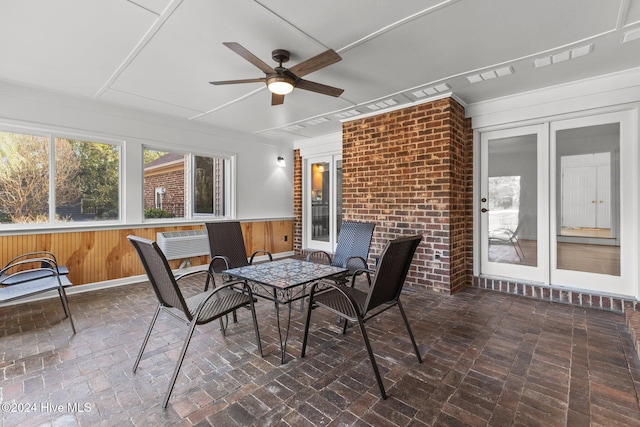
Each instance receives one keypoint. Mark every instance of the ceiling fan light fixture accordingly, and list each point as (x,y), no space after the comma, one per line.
(280,85)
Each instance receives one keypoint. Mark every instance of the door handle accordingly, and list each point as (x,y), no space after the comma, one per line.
(483,210)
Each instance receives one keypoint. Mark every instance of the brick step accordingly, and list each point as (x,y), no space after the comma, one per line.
(633,324)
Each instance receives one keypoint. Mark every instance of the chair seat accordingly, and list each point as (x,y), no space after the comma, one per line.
(335,301)
(225,301)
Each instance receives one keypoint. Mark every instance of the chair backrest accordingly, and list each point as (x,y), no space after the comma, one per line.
(392,271)
(159,273)
(354,240)
(225,239)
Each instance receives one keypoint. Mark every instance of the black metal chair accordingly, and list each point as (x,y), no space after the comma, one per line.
(352,249)
(226,246)
(195,310)
(359,306)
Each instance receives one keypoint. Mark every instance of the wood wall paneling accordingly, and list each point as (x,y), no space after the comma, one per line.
(99,255)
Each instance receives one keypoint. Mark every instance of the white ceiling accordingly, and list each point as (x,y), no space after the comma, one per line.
(159,55)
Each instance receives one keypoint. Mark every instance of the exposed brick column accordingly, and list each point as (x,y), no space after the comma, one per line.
(297,202)
(410,171)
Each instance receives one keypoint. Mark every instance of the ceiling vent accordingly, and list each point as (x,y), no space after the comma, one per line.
(433,90)
(347,114)
(491,74)
(318,121)
(293,127)
(382,104)
(564,56)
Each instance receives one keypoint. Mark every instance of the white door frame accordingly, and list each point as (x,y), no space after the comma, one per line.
(536,273)
(545,272)
(308,242)
(625,284)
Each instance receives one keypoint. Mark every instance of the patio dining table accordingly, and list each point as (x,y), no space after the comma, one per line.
(283,281)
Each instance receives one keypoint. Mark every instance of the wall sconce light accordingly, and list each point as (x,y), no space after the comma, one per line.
(281,162)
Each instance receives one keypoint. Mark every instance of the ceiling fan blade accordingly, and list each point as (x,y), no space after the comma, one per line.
(233,82)
(237,48)
(319,88)
(277,99)
(314,64)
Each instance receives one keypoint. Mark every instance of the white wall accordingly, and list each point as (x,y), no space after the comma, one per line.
(264,190)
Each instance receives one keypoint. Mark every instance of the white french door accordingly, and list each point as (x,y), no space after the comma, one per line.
(559,202)
(593,203)
(513,203)
(322,195)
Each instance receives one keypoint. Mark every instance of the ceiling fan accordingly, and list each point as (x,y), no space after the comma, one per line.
(281,81)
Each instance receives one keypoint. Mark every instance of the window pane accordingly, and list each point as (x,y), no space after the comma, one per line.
(164,184)
(209,186)
(24,178)
(320,173)
(87,181)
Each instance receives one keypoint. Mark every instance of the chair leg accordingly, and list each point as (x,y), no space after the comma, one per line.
(172,382)
(146,338)
(255,327)
(222,326)
(406,323)
(372,358)
(345,325)
(65,306)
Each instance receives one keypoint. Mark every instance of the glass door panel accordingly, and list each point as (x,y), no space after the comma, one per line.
(588,199)
(320,192)
(322,202)
(510,203)
(592,203)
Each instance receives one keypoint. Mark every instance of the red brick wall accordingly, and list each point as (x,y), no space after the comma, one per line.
(173,183)
(410,171)
(297,202)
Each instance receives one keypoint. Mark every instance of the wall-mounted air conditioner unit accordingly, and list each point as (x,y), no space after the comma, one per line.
(183,244)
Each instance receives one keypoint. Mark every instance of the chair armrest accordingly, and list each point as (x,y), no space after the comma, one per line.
(218,258)
(258,252)
(326,254)
(227,285)
(360,271)
(30,266)
(192,273)
(348,264)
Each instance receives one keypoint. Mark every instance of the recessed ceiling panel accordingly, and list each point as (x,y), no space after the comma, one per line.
(465,37)
(187,53)
(72,46)
(338,23)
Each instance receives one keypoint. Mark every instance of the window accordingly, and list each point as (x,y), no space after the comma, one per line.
(183,185)
(80,179)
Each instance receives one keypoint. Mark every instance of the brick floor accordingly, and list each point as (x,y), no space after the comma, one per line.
(490,359)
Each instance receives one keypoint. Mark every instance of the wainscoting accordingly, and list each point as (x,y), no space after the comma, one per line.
(101,255)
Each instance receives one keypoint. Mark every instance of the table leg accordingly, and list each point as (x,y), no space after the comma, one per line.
(283,340)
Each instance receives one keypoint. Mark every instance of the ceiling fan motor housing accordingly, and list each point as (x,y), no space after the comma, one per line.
(280,55)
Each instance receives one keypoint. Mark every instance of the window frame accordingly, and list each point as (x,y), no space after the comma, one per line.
(51,134)
(189,171)
(131,181)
